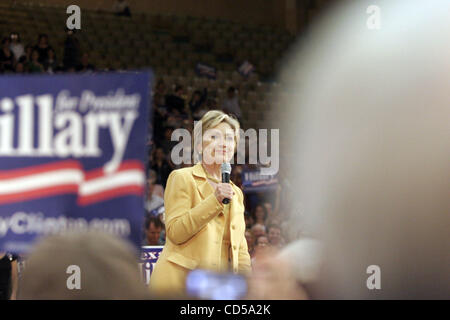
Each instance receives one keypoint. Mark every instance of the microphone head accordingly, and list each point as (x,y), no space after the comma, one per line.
(226,168)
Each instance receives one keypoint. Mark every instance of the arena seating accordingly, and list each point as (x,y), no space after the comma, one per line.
(170,45)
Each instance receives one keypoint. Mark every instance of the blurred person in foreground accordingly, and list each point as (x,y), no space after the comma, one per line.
(285,275)
(8,276)
(373,135)
(201,231)
(108,266)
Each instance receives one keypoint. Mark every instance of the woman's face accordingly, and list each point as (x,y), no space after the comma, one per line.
(259,213)
(262,241)
(218,144)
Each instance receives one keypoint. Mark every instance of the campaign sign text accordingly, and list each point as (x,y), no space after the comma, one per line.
(149,256)
(72,155)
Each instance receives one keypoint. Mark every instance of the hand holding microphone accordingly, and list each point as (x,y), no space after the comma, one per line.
(224,192)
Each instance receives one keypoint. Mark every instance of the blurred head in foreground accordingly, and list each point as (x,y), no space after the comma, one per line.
(372,138)
(108,268)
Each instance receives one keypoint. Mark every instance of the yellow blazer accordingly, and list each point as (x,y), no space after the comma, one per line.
(194,231)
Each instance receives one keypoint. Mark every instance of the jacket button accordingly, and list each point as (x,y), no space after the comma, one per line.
(233,227)
(234,247)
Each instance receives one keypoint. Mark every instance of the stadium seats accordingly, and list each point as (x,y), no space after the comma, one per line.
(171,45)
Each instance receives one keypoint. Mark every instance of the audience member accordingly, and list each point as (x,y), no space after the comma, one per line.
(85,65)
(16,46)
(175,102)
(51,65)
(6,56)
(72,51)
(19,68)
(197,100)
(259,214)
(258,230)
(34,66)
(158,189)
(274,235)
(161,166)
(167,144)
(231,103)
(26,58)
(154,199)
(107,263)
(8,276)
(250,242)
(248,220)
(122,8)
(42,48)
(153,228)
(273,279)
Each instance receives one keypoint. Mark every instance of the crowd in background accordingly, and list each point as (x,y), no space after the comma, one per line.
(172,109)
(41,57)
(265,217)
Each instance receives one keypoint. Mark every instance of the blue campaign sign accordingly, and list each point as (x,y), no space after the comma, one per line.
(254,181)
(72,155)
(205,70)
(149,256)
(246,68)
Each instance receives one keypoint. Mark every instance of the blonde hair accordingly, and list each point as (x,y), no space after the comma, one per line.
(210,120)
(109,268)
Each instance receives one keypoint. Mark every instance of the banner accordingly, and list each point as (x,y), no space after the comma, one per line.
(72,155)
(246,69)
(206,71)
(254,181)
(157,211)
(149,256)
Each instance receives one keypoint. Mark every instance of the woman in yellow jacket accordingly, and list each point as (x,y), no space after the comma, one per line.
(201,231)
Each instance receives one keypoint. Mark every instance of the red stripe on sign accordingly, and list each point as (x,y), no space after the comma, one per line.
(113,193)
(22,172)
(39,193)
(126,165)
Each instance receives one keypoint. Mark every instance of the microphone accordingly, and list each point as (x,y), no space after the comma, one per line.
(226,171)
